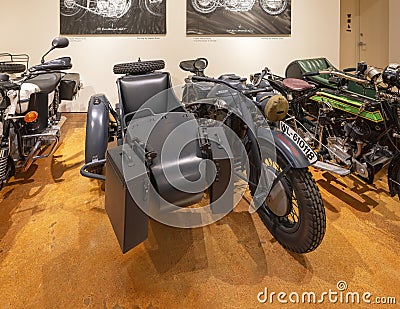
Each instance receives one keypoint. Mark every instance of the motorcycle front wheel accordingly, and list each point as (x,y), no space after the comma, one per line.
(204,6)
(155,7)
(273,7)
(300,225)
(72,8)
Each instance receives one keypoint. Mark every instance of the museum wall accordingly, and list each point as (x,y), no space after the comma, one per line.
(394,28)
(30,29)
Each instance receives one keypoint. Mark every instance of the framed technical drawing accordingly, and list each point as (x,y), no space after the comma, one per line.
(112,17)
(238,17)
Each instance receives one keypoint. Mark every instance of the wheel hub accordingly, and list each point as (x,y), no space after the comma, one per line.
(69,3)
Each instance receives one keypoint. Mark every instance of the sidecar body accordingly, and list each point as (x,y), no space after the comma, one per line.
(160,165)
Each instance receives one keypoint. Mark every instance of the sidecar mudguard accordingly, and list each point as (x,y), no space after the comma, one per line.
(97,128)
(290,151)
(393,171)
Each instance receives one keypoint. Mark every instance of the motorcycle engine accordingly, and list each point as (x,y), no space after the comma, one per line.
(358,131)
(241,5)
(391,75)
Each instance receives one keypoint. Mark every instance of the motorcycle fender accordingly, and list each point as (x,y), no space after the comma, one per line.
(394,167)
(97,128)
(283,144)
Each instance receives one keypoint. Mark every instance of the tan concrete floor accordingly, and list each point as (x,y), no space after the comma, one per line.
(58,250)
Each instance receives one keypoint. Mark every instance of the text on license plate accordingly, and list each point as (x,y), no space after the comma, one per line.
(299,141)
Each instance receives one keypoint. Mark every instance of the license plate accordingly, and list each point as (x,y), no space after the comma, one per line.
(299,141)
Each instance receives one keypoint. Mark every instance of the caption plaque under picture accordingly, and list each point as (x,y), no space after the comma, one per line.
(238,17)
(112,17)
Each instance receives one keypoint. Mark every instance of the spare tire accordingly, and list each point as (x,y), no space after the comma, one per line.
(12,67)
(139,67)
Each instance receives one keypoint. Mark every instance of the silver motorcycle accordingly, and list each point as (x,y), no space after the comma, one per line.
(272,7)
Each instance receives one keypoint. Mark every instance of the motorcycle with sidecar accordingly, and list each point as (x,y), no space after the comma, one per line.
(162,144)
(30,122)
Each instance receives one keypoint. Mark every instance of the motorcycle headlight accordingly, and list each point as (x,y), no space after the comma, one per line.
(276,108)
(391,75)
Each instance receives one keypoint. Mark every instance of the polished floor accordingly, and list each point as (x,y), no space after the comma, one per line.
(58,250)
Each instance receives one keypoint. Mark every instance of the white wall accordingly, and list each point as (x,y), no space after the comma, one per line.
(315,32)
(394,31)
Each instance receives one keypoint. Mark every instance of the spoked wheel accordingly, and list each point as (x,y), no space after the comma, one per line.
(71,8)
(204,6)
(155,7)
(273,7)
(293,212)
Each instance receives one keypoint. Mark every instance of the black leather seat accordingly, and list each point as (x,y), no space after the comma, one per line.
(46,82)
(134,92)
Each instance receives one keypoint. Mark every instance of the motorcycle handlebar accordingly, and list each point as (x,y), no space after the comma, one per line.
(260,78)
(345,76)
(313,73)
(349,70)
(338,74)
(246,92)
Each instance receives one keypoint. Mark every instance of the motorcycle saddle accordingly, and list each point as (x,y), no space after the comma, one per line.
(295,84)
(47,82)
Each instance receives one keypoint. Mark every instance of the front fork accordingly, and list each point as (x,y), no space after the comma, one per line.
(6,171)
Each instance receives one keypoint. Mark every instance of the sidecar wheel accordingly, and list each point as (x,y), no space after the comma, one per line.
(139,67)
(96,133)
(12,68)
(303,229)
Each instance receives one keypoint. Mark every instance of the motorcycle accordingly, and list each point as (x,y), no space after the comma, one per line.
(106,8)
(351,120)
(292,209)
(272,7)
(30,122)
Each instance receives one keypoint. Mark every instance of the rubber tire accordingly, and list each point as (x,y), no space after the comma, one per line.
(312,219)
(96,140)
(12,68)
(140,67)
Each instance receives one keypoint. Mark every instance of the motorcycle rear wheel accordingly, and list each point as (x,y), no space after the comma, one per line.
(303,229)
(70,8)
(273,7)
(157,8)
(204,6)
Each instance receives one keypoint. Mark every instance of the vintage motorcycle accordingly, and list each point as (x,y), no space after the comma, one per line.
(296,213)
(226,127)
(352,121)
(107,8)
(30,122)
(272,7)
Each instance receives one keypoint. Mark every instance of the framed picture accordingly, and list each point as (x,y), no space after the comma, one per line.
(112,17)
(238,17)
